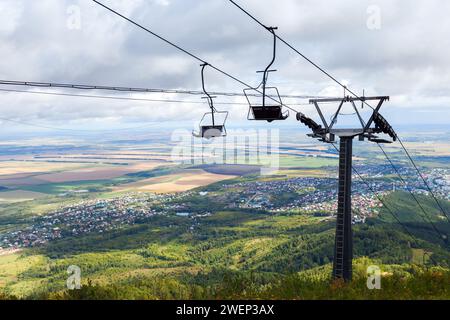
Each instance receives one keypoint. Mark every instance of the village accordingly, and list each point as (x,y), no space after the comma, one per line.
(89,216)
(302,195)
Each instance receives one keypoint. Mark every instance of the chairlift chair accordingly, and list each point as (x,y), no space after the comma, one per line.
(208,127)
(267,111)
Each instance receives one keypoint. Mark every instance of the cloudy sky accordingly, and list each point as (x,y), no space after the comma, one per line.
(389,47)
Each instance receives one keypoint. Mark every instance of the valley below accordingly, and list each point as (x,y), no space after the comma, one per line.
(141,224)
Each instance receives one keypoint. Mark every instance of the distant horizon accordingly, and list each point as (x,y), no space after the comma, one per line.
(164,130)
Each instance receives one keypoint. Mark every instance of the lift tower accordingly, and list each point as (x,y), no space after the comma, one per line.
(343,247)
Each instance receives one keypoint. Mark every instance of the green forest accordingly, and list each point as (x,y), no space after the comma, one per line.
(241,255)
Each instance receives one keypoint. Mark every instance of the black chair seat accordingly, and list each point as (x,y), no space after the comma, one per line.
(268,113)
(212,131)
(206,128)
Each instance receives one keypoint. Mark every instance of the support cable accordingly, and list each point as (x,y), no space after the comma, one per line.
(129,89)
(423,179)
(116,98)
(186,51)
(441,236)
(385,206)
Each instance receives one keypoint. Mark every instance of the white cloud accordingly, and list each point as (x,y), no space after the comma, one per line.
(407,58)
(11,12)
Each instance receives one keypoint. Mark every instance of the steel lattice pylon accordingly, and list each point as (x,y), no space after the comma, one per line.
(343,247)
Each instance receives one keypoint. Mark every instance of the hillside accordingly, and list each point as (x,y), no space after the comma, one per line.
(181,257)
(398,282)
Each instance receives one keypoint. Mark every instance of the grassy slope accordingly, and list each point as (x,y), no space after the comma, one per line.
(398,282)
(166,252)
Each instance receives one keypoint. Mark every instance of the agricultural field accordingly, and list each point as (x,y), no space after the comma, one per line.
(20,195)
(90,174)
(186,180)
(306,162)
(17,169)
(25,177)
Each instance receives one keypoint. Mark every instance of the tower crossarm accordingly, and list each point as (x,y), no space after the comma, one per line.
(326,131)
